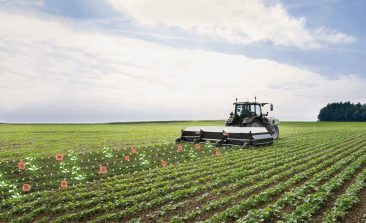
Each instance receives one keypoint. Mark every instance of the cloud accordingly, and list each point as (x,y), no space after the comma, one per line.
(332,36)
(235,21)
(53,72)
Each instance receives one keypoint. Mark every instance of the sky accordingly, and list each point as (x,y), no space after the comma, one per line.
(145,60)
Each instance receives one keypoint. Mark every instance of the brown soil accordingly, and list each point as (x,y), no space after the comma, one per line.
(356,213)
(318,217)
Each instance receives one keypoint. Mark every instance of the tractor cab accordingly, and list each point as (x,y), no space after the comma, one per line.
(247,109)
(248,114)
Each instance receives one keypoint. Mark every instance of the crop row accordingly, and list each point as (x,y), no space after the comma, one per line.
(46,174)
(267,195)
(137,177)
(346,200)
(219,201)
(312,202)
(130,192)
(183,171)
(144,200)
(227,178)
(296,196)
(236,175)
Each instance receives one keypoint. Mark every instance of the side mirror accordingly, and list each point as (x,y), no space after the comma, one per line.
(271,107)
(231,113)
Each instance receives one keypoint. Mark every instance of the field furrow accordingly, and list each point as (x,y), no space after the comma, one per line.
(230,190)
(243,206)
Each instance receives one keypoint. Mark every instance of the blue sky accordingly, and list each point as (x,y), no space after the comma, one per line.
(347,16)
(98,61)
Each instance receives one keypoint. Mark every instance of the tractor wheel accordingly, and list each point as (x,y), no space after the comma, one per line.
(275,132)
(256,123)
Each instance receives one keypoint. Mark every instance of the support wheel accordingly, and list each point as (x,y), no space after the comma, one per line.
(218,144)
(196,141)
(178,140)
(246,145)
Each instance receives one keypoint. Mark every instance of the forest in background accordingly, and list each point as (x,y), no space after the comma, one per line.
(340,111)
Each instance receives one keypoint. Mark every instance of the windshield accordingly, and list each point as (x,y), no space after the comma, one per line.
(244,110)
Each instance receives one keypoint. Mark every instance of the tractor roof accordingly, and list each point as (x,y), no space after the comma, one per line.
(251,103)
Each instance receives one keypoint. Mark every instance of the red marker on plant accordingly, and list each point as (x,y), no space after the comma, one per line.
(197,146)
(59,156)
(102,169)
(21,165)
(180,148)
(164,163)
(217,152)
(64,184)
(26,187)
(127,158)
(133,150)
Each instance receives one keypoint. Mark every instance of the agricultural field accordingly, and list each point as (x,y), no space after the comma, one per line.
(315,172)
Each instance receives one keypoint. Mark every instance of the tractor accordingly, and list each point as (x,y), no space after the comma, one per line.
(248,126)
(249,114)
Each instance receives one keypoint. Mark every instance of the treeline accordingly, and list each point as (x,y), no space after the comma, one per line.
(343,112)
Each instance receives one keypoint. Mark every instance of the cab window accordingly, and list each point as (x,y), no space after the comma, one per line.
(239,109)
(257,109)
(242,110)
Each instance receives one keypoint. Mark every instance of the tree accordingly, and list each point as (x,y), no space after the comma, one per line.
(340,111)
(363,116)
(356,116)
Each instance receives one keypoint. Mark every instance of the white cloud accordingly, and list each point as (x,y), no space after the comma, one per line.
(52,72)
(236,21)
(332,36)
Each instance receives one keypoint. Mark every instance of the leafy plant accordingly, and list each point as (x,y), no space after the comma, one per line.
(107,152)
(143,159)
(30,161)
